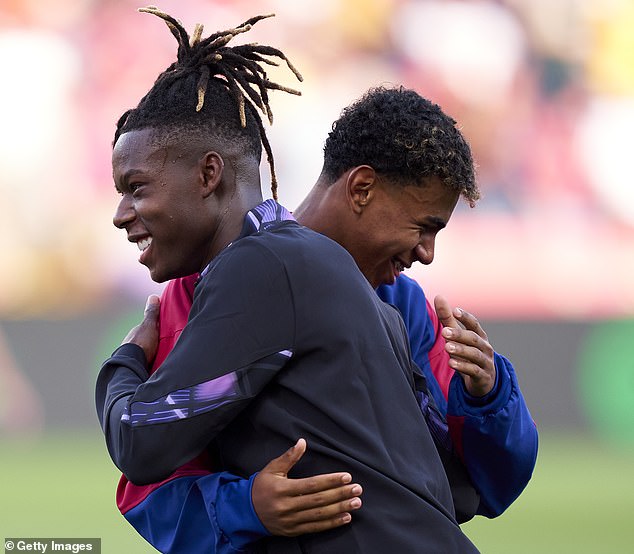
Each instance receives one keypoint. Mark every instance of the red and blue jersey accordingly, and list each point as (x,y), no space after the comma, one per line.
(495,434)
(197,510)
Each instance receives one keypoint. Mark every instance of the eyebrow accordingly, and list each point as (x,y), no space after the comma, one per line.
(125,178)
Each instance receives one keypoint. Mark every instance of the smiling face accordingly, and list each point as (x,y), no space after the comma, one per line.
(397,226)
(165,206)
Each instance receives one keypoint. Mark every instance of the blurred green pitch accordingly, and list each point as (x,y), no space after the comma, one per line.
(580,500)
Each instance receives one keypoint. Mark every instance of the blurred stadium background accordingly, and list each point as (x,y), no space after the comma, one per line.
(543,89)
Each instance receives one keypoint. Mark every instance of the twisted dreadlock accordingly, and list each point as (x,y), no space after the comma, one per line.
(207,68)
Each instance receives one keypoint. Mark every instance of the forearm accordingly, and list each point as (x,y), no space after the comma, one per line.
(118,380)
(496,438)
(210,513)
(153,427)
(135,436)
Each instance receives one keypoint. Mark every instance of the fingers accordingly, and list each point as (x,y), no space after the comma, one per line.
(329,491)
(467,367)
(464,341)
(470,322)
(284,463)
(316,512)
(445,313)
(322,525)
(470,352)
(152,308)
(290,507)
(317,483)
(324,517)
(468,346)
(145,334)
(469,333)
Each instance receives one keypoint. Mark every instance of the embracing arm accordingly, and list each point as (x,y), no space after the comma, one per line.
(204,513)
(225,514)
(196,510)
(496,437)
(493,433)
(239,335)
(487,415)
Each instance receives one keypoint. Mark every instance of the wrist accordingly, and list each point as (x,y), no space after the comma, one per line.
(236,515)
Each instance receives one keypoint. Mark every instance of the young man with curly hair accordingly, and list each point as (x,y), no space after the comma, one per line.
(475,387)
(302,347)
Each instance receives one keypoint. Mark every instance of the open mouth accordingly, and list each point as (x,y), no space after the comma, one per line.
(144,244)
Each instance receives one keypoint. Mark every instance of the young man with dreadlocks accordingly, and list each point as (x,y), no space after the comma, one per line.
(481,375)
(474,386)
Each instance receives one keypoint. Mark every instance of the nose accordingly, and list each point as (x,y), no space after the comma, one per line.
(125,213)
(424,251)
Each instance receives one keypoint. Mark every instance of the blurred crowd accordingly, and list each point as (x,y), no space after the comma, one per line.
(543,90)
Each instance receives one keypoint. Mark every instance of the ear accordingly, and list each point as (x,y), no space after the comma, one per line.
(360,187)
(211,167)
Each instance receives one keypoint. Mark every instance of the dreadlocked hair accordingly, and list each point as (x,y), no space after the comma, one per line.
(403,136)
(213,89)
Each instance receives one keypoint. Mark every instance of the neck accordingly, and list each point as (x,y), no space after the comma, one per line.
(231,218)
(313,211)
(326,210)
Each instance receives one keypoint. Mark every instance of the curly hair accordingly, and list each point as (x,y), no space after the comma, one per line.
(212,90)
(404,137)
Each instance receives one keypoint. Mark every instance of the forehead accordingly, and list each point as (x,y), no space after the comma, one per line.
(138,149)
(433,199)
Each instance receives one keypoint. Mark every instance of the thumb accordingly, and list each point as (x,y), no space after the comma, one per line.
(152,308)
(284,463)
(445,313)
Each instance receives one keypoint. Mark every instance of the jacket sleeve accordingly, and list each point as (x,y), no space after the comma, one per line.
(239,335)
(495,435)
(193,510)
(210,513)
(498,438)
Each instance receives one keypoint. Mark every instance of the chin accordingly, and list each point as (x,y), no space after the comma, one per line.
(159,276)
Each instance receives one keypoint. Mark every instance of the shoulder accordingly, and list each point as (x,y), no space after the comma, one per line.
(406,294)
(255,264)
(293,245)
(292,235)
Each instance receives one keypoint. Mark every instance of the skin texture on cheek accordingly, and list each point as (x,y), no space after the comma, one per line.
(385,234)
(403,227)
(162,201)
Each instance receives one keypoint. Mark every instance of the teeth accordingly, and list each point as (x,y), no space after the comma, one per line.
(144,243)
(399,265)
